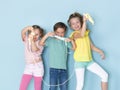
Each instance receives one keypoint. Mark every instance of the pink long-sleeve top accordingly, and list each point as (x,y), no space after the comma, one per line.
(32,56)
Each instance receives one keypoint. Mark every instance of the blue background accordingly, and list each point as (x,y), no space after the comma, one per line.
(17,14)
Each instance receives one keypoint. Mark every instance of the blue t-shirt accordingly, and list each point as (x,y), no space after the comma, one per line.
(57,52)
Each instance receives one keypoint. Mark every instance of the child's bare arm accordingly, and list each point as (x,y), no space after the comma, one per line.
(97,50)
(23,33)
(73,45)
(83,28)
(34,46)
(72,42)
(42,41)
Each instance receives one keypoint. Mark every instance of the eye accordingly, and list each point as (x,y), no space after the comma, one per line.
(72,23)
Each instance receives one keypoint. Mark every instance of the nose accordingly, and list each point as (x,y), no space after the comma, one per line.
(60,35)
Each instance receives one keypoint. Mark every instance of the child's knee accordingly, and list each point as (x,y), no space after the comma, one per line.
(105,77)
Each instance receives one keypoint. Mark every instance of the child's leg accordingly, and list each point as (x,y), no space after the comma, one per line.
(37,82)
(53,78)
(104,86)
(95,68)
(38,74)
(25,81)
(80,78)
(63,79)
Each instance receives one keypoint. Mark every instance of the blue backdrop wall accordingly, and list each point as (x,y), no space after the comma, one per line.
(15,15)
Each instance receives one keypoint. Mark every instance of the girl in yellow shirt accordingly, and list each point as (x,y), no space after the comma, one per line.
(82,54)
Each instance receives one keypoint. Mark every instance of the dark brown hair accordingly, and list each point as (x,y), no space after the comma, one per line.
(60,25)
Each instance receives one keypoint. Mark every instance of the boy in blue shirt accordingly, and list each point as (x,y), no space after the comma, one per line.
(58,55)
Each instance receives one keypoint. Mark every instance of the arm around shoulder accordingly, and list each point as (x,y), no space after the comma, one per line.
(42,41)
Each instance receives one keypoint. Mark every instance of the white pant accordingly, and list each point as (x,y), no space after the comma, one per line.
(95,68)
(34,69)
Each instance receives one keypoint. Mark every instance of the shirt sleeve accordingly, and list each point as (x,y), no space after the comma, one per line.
(87,32)
(47,42)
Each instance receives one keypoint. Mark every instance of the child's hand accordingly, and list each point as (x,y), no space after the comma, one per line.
(76,35)
(68,40)
(50,34)
(31,37)
(102,55)
(89,18)
(84,18)
(30,28)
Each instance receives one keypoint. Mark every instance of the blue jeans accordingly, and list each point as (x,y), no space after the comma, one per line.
(58,76)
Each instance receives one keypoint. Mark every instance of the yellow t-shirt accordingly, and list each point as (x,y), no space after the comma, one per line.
(82,52)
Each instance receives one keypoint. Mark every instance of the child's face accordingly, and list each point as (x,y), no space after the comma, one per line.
(60,32)
(37,34)
(75,23)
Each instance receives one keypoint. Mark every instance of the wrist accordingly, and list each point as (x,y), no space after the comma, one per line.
(84,21)
(46,36)
(100,52)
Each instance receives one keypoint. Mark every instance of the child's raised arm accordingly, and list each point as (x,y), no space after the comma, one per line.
(83,29)
(23,33)
(42,41)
